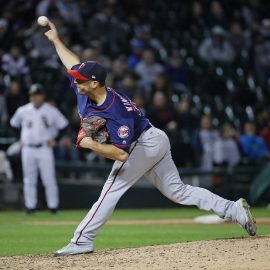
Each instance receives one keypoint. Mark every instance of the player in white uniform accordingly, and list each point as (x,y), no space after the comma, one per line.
(40,123)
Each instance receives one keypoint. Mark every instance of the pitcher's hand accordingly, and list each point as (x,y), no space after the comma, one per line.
(52,34)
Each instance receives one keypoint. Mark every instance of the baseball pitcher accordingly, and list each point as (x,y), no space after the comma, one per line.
(114,128)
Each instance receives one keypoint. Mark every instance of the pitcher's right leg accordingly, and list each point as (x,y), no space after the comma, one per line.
(164,175)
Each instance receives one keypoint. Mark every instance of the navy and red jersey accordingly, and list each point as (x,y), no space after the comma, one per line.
(124,121)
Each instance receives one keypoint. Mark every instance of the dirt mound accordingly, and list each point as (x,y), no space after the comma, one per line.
(230,254)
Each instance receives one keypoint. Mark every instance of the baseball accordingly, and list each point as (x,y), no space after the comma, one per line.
(43,20)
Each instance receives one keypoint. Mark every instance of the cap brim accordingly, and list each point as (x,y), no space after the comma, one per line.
(75,74)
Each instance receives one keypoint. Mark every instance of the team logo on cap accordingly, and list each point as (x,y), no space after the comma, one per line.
(123,132)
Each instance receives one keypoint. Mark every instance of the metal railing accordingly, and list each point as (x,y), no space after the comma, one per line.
(79,166)
(84,177)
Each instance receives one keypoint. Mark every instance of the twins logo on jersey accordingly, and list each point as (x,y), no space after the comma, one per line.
(123,132)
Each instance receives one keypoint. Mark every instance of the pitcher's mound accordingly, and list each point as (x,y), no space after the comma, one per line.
(209,219)
(234,254)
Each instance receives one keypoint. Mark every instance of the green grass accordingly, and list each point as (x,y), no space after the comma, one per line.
(18,236)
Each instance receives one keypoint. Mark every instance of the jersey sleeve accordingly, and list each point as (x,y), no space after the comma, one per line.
(16,120)
(60,120)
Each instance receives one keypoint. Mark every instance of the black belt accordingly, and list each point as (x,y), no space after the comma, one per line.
(35,145)
(148,127)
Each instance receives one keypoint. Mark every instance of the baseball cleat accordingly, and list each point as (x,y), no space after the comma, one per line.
(73,249)
(245,218)
(30,211)
(54,211)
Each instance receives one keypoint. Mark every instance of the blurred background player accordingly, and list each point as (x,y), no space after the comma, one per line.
(40,123)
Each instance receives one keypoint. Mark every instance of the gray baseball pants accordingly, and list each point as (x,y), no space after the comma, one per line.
(149,156)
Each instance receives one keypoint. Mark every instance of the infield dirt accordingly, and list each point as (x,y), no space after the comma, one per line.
(249,253)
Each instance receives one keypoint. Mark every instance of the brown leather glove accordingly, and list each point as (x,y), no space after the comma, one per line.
(94,127)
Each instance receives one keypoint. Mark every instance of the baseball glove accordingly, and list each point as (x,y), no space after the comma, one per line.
(94,127)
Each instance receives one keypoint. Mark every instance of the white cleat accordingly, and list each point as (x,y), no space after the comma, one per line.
(73,249)
(245,218)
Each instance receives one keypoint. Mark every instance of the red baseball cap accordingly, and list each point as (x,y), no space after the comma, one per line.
(89,71)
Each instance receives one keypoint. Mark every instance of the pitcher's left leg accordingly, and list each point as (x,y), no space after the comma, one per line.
(122,177)
(142,157)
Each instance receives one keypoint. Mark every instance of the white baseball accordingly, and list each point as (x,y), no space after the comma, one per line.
(43,20)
